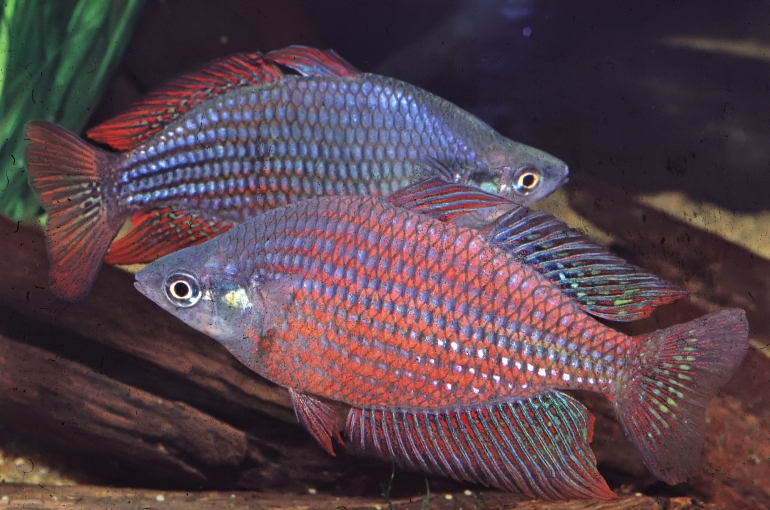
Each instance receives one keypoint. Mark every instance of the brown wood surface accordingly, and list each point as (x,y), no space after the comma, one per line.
(56,498)
(112,390)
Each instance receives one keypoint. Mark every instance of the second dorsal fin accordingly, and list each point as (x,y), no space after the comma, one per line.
(166,104)
(312,62)
(602,284)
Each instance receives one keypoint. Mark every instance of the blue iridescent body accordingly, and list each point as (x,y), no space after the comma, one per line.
(239,136)
(269,145)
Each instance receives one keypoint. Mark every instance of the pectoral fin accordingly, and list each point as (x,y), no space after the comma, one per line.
(276,294)
(319,418)
(538,446)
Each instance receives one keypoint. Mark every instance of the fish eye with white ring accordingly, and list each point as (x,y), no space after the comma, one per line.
(526,180)
(182,289)
(197,286)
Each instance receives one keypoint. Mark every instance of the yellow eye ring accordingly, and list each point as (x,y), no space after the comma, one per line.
(182,289)
(527,180)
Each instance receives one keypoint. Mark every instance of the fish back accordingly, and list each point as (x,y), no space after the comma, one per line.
(267,145)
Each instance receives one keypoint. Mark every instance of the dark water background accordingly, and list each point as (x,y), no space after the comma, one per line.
(598,83)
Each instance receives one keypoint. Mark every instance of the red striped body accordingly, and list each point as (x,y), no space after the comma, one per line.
(448,348)
(397,309)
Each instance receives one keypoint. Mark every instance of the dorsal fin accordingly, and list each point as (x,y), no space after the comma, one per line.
(444,201)
(161,231)
(166,104)
(313,62)
(602,284)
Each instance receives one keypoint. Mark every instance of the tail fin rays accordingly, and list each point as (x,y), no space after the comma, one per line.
(65,173)
(664,394)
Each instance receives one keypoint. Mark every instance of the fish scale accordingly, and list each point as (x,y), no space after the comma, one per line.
(238,136)
(448,347)
(445,273)
(294,139)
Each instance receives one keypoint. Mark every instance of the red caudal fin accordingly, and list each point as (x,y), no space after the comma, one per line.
(661,396)
(319,418)
(312,62)
(161,231)
(65,174)
(166,104)
(538,445)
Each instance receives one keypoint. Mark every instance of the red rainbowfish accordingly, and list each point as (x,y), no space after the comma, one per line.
(215,147)
(449,349)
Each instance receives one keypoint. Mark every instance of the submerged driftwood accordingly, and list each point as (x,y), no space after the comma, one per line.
(112,390)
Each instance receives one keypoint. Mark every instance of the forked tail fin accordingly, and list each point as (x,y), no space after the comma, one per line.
(661,400)
(65,174)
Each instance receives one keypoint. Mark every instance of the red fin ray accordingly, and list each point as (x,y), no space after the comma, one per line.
(319,418)
(443,200)
(166,104)
(65,173)
(661,399)
(538,446)
(313,62)
(161,231)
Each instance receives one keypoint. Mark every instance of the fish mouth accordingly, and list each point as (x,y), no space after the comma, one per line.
(141,287)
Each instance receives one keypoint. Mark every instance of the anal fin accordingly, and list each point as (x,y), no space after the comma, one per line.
(319,418)
(538,445)
(161,231)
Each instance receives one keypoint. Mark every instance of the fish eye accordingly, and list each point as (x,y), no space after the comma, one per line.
(182,289)
(527,180)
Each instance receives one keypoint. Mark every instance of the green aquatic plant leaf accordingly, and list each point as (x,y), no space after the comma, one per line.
(55,58)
